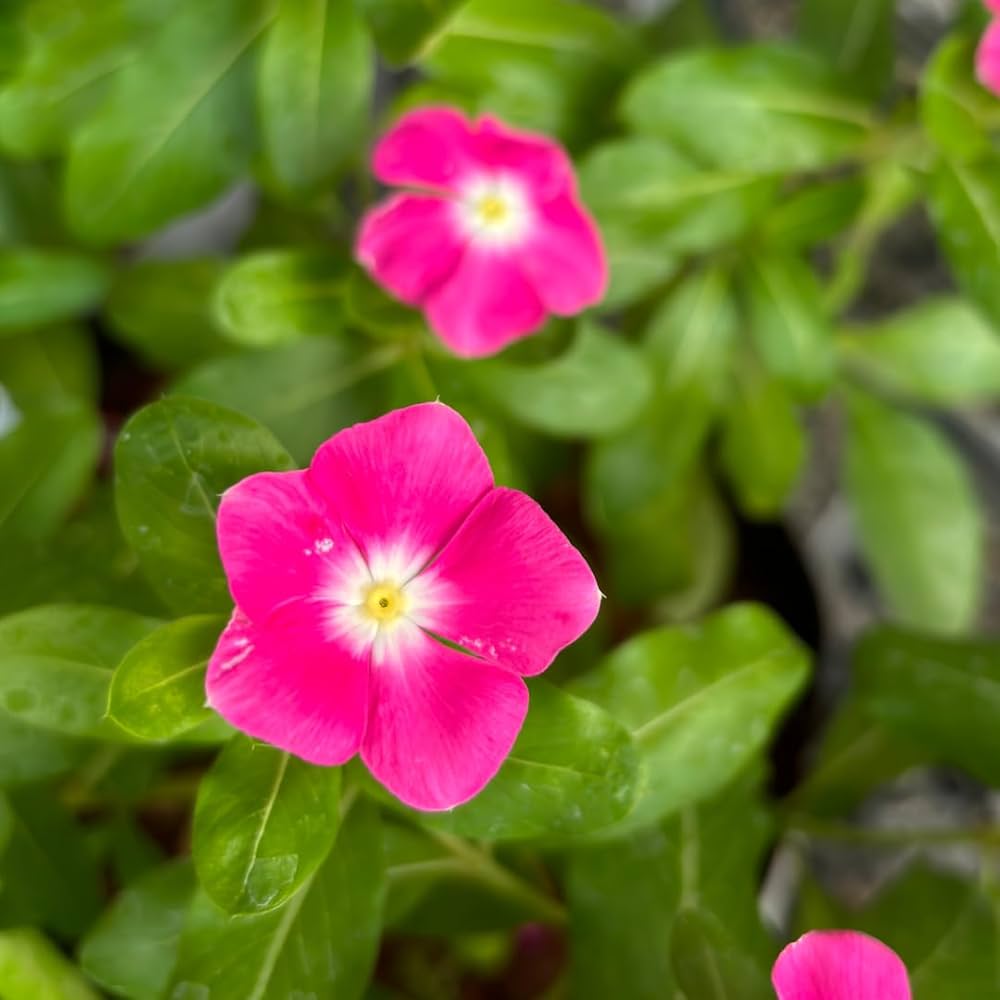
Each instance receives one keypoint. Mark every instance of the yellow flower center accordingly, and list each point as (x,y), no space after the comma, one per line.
(384,602)
(492,210)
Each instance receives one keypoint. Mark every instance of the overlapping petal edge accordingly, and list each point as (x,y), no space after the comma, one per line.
(491,236)
(348,575)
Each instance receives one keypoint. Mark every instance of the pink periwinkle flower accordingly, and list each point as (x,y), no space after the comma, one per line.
(988,53)
(839,965)
(490,238)
(348,575)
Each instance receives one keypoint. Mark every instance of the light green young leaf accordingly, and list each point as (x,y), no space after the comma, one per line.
(32,968)
(263,823)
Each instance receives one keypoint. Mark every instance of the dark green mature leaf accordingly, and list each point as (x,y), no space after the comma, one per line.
(177,127)
(132,949)
(572,770)
(272,297)
(162,309)
(709,964)
(598,386)
(322,942)
(700,701)
(45,286)
(855,37)
(941,351)
(264,822)
(314,85)
(173,461)
(403,27)
(304,391)
(750,92)
(965,206)
(158,689)
(788,324)
(32,968)
(917,516)
(47,875)
(57,665)
(942,694)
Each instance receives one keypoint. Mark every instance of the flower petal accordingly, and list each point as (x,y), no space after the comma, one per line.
(277,542)
(285,681)
(441,724)
(485,304)
(430,147)
(403,483)
(988,58)
(517,591)
(839,965)
(409,244)
(534,159)
(563,258)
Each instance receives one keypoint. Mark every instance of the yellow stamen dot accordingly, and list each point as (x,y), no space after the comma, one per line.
(385,602)
(492,209)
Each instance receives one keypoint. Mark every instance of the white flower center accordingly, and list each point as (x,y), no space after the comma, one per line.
(494,211)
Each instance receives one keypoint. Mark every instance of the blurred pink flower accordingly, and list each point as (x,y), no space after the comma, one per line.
(988,53)
(346,577)
(492,238)
(839,965)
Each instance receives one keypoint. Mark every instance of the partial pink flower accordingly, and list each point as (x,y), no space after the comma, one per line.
(988,53)
(493,236)
(839,965)
(348,575)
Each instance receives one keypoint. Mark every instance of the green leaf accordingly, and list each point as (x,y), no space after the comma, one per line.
(941,352)
(919,523)
(162,310)
(749,92)
(763,444)
(158,690)
(639,262)
(855,37)
(273,297)
(132,949)
(32,968)
(709,965)
(303,391)
(28,754)
(264,822)
(598,386)
(403,27)
(572,770)
(943,694)
(814,213)
(314,87)
(955,110)
(788,324)
(965,206)
(701,701)
(58,661)
(173,461)
(322,942)
(177,127)
(45,286)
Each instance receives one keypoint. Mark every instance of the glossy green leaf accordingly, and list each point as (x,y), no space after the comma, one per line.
(158,690)
(750,92)
(173,461)
(58,661)
(45,286)
(273,297)
(322,942)
(917,516)
(572,770)
(402,27)
(598,386)
(162,310)
(700,701)
(314,86)
(788,324)
(177,128)
(32,968)
(709,964)
(132,949)
(264,822)
(940,352)
(941,694)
